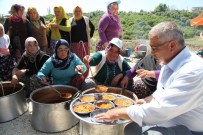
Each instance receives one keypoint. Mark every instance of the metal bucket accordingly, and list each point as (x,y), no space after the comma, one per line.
(12,101)
(50,112)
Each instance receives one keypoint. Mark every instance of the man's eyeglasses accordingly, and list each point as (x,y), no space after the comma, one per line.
(155,48)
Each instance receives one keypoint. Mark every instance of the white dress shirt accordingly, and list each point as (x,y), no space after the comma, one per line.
(178,98)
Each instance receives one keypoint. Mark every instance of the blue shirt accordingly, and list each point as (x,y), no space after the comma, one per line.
(62,77)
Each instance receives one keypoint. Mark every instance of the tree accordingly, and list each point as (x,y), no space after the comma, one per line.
(161,8)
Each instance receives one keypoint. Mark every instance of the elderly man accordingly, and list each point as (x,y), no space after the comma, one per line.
(176,107)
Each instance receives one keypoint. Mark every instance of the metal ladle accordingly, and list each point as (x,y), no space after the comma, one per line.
(99,88)
(65,95)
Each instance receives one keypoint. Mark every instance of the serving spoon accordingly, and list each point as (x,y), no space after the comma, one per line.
(98,88)
(64,95)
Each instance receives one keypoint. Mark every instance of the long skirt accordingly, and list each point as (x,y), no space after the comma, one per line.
(6,66)
(81,51)
(140,89)
(51,49)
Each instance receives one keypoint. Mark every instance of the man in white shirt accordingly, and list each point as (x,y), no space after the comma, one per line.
(176,107)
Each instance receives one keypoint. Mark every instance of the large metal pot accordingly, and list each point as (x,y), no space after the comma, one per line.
(12,101)
(50,112)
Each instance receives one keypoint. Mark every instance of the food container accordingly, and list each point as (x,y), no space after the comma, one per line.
(12,101)
(104,104)
(123,102)
(88,98)
(51,112)
(83,108)
(108,96)
(90,126)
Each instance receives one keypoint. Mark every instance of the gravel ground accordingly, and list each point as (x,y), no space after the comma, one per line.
(22,126)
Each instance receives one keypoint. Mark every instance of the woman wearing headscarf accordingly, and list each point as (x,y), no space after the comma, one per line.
(148,69)
(58,28)
(109,25)
(82,30)
(110,67)
(19,29)
(38,28)
(6,60)
(29,64)
(65,67)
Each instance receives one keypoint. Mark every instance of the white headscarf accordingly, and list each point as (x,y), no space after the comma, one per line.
(4,42)
(31,57)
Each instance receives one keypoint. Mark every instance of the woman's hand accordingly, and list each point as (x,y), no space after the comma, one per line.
(54,26)
(87,59)
(145,73)
(116,79)
(21,72)
(79,68)
(105,45)
(43,80)
(14,80)
(124,82)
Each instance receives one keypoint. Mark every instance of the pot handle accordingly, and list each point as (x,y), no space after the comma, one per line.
(67,104)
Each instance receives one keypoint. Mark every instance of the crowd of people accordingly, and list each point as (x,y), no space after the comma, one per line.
(170,85)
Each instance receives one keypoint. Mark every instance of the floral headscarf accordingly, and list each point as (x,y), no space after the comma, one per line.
(62,63)
(31,56)
(14,10)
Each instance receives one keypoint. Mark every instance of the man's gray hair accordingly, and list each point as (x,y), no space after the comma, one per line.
(166,31)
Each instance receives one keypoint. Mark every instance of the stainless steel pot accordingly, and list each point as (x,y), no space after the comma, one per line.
(12,101)
(50,112)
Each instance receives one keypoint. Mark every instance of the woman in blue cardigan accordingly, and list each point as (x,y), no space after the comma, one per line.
(65,67)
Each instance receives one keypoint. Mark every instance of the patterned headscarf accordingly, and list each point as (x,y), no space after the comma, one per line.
(15,8)
(31,56)
(62,63)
